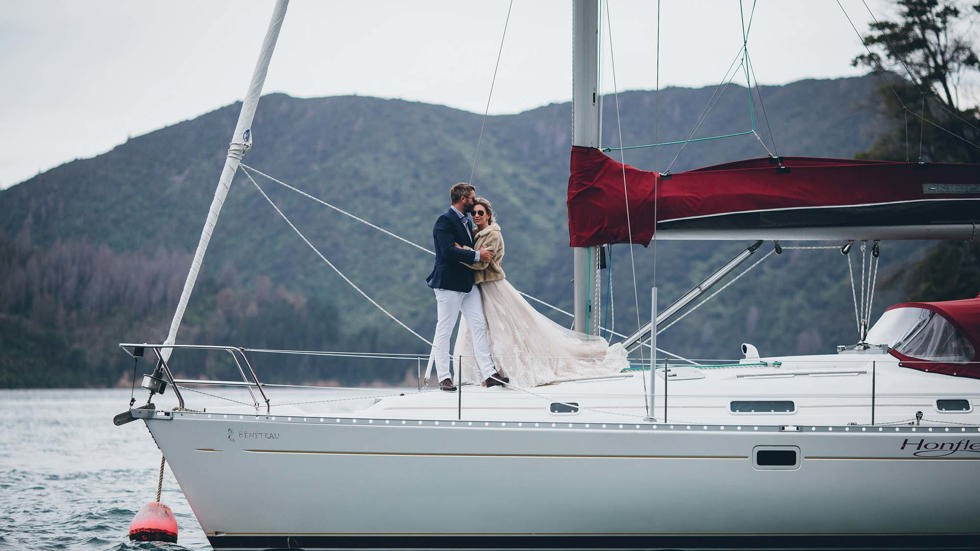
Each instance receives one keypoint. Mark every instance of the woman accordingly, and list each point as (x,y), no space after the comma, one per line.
(525,345)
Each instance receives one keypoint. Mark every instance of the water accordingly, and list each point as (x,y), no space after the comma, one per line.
(70,479)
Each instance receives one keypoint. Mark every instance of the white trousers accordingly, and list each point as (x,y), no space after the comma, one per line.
(448,306)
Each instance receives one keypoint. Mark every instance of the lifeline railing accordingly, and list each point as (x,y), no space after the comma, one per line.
(156,384)
(163,375)
(843,365)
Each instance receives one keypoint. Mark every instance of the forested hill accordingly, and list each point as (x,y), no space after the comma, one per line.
(94,252)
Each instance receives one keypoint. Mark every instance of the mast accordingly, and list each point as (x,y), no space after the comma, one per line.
(585,132)
(241,140)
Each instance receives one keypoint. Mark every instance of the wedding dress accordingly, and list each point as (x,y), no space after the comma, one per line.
(530,348)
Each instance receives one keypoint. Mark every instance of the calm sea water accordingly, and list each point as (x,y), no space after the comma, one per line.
(70,479)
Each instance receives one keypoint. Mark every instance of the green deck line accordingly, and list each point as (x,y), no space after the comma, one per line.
(718,366)
(679,142)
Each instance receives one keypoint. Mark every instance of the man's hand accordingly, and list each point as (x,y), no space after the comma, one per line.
(486,255)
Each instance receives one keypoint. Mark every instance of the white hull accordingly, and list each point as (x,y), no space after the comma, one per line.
(588,480)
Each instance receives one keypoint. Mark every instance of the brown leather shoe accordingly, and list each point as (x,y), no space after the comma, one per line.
(496,380)
(447,385)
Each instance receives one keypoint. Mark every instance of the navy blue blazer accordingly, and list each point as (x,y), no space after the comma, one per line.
(449,273)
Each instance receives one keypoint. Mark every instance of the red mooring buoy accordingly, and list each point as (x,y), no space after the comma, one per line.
(154,522)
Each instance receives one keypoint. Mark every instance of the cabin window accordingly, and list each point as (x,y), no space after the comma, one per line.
(564,407)
(776,457)
(763,406)
(956,406)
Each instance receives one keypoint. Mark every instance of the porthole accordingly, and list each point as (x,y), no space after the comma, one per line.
(954,406)
(564,407)
(776,457)
(763,406)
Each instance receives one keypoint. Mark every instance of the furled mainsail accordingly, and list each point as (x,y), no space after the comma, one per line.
(792,198)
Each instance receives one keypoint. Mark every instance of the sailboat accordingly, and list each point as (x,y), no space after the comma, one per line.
(876,446)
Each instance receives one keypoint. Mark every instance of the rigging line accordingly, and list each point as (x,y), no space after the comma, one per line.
(216,396)
(716,96)
(726,79)
(334,268)
(609,282)
(745,64)
(622,159)
(864,256)
(911,76)
(868,49)
(872,283)
(748,30)
(656,192)
(656,101)
(597,294)
(379,228)
(338,209)
(850,271)
(765,116)
(712,295)
(678,142)
(907,152)
(953,134)
(811,247)
(493,81)
(922,127)
(758,138)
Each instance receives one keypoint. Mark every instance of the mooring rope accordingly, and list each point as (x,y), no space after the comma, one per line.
(163,461)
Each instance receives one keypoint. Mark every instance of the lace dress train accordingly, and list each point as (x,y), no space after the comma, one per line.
(530,348)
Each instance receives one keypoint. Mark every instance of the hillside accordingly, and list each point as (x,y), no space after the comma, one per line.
(94,252)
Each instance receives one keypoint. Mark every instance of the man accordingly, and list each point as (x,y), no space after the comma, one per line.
(452,283)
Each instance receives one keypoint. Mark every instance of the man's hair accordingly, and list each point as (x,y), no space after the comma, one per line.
(460,190)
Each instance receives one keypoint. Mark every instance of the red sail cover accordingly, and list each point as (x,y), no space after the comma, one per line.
(957,334)
(765,195)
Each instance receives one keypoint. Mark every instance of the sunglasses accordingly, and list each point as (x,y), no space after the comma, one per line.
(479,212)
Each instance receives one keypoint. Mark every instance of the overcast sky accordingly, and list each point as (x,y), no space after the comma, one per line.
(80,77)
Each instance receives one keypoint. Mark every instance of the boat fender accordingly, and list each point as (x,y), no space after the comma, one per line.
(154,522)
(750,351)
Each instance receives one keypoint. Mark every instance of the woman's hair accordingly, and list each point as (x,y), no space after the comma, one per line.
(486,204)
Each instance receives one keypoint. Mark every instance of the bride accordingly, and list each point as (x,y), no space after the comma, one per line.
(525,345)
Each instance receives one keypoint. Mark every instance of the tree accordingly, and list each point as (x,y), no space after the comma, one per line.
(930,49)
(950,271)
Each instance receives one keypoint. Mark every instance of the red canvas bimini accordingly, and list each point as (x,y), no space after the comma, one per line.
(941,337)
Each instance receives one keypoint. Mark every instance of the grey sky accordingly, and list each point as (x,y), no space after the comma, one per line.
(79,77)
